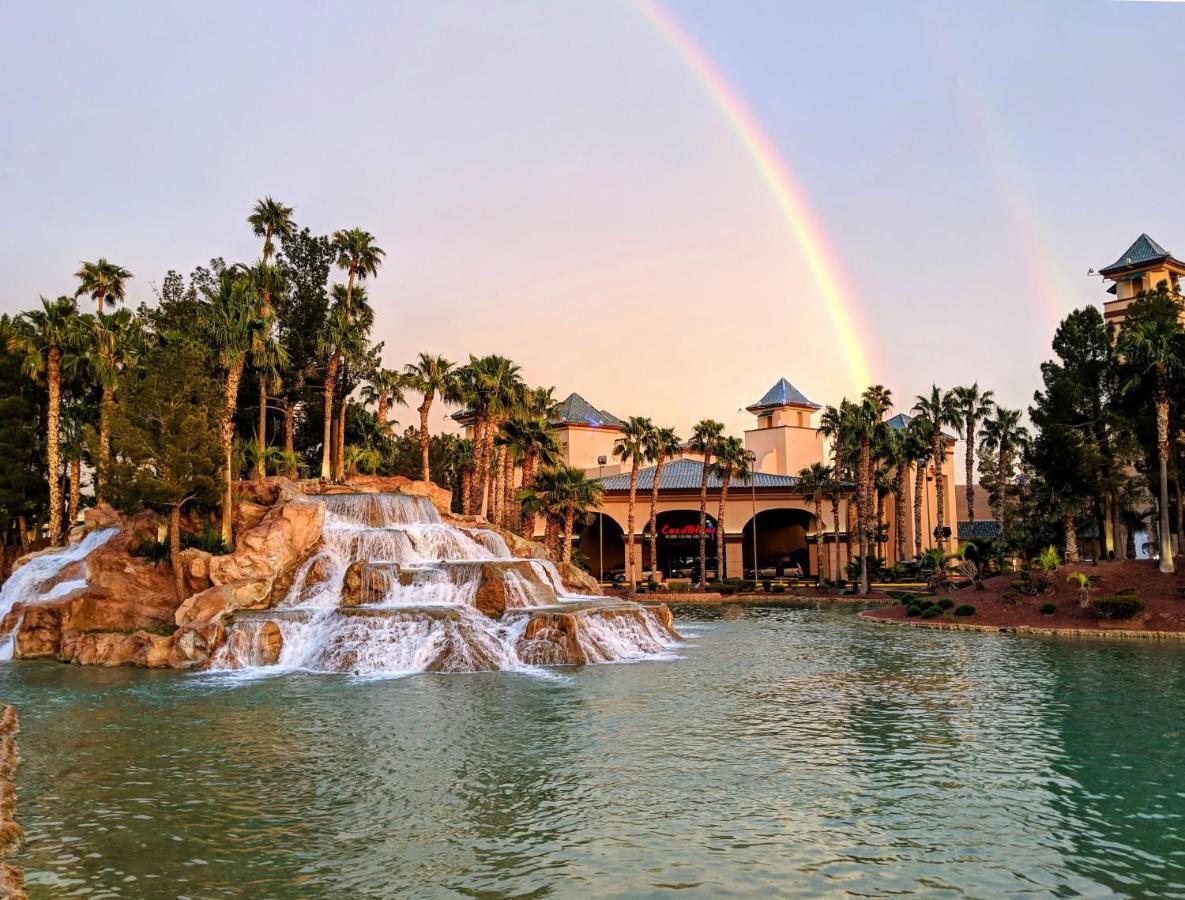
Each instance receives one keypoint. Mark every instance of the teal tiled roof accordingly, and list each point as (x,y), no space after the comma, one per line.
(575,410)
(1141,253)
(783,394)
(686,474)
(902,420)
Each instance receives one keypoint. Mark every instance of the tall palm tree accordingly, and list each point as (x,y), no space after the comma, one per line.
(973,405)
(114,341)
(1154,348)
(936,409)
(461,462)
(232,327)
(359,255)
(532,442)
(563,494)
(385,387)
(633,446)
(269,358)
(840,426)
(919,439)
(732,461)
(104,281)
(271,219)
(835,492)
(664,445)
(1003,434)
(902,449)
(431,376)
(705,438)
(815,482)
(490,385)
(42,337)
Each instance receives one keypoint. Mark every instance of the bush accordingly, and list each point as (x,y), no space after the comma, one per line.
(913,611)
(1119,606)
(904,597)
(779,588)
(964,609)
(945,603)
(1048,609)
(678,587)
(722,587)
(931,612)
(766,584)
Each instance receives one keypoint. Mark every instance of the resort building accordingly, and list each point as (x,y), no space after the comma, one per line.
(1142,267)
(766,518)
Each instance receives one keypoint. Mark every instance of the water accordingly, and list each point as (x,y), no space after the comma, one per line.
(787,752)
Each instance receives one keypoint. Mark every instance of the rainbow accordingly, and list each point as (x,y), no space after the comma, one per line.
(821,260)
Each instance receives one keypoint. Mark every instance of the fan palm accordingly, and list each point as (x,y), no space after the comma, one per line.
(973,406)
(705,438)
(432,376)
(359,255)
(936,409)
(270,219)
(530,439)
(731,461)
(1003,434)
(491,386)
(814,482)
(384,388)
(114,341)
(633,447)
(42,337)
(104,281)
(664,445)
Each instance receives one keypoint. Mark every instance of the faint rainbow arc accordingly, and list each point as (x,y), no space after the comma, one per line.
(821,260)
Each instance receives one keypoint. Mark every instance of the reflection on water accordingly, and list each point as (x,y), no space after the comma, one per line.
(791,751)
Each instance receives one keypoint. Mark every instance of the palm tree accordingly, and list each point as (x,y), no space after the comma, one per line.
(359,255)
(431,376)
(43,336)
(269,357)
(664,445)
(732,461)
(461,462)
(531,441)
(973,405)
(835,492)
(839,425)
(114,341)
(705,438)
(384,388)
(577,494)
(1003,434)
(903,447)
(232,328)
(340,339)
(633,446)
(815,484)
(936,409)
(490,385)
(103,281)
(1154,346)
(919,440)
(270,219)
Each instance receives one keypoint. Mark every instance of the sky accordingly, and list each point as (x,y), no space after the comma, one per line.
(553,181)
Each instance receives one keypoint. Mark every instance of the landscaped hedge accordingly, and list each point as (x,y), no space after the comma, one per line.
(1119,606)
(964,609)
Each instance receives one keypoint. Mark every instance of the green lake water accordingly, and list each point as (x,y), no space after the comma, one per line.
(789,751)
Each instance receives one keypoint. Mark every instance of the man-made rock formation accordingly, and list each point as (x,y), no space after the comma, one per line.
(11,880)
(595,633)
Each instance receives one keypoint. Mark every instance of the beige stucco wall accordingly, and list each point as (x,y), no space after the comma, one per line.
(784,450)
(581,445)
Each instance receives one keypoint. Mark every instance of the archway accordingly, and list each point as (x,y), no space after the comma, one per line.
(590,544)
(678,544)
(781,543)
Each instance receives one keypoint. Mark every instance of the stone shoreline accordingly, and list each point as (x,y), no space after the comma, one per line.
(1105,633)
(11,880)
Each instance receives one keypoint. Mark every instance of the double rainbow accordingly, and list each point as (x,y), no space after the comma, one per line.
(821,259)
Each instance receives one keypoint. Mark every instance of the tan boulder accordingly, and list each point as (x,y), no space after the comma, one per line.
(513,584)
(101,516)
(116,648)
(440,497)
(565,638)
(577,580)
(285,536)
(40,632)
(269,644)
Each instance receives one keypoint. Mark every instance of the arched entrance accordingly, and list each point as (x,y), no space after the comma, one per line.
(590,543)
(781,543)
(678,543)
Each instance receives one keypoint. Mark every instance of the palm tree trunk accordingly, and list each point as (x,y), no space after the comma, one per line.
(629,527)
(527,519)
(175,551)
(75,489)
(495,498)
(659,463)
(480,426)
(466,490)
(970,468)
(105,405)
(1162,444)
(569,527)
(508,516)
(290,437)
(1071,537)
(899,511)
(53,453)
(339,464)
(381,412)
(425,474)
(261,435)
(939,482)
(483,464)
(835,534)
(1001,491)
(703,524)
(1117,525)
(919,485)
(233,375)
(721,559)
(819,548)
(551,535)
(327,438)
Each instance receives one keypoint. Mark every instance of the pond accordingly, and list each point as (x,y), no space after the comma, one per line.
(790,750)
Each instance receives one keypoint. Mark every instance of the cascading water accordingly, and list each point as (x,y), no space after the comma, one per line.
(33,582)
(394,590)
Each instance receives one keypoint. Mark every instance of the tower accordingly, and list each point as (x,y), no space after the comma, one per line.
(784,440)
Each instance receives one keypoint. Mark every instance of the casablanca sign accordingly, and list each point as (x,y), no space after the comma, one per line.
(689,532)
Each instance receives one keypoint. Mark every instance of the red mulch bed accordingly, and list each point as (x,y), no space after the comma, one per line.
(996,605)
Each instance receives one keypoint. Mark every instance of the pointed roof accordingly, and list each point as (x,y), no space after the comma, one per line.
(902,420)
(686,474)
(575,410)
(1144,251)
(782,394)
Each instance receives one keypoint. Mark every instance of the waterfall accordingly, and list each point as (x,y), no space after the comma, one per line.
(27,585)
(394,590)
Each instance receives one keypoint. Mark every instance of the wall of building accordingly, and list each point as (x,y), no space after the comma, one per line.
(784,450)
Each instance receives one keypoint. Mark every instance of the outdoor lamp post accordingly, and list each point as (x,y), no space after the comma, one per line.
(601,460)
(752,457)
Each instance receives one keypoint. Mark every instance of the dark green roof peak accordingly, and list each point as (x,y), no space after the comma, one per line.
(1142,252)
(783,393)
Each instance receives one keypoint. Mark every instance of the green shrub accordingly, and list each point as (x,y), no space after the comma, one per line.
(901,596)
(931,612)
(722,587)
(945,603)
(1048,609)
(779,588)
(766,585)
(913,611)
(964,609)
(678,587)
(1119,606)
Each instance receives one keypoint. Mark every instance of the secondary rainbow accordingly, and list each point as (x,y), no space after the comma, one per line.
(821,260)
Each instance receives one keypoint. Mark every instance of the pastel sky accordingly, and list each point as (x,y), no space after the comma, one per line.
(552,183)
